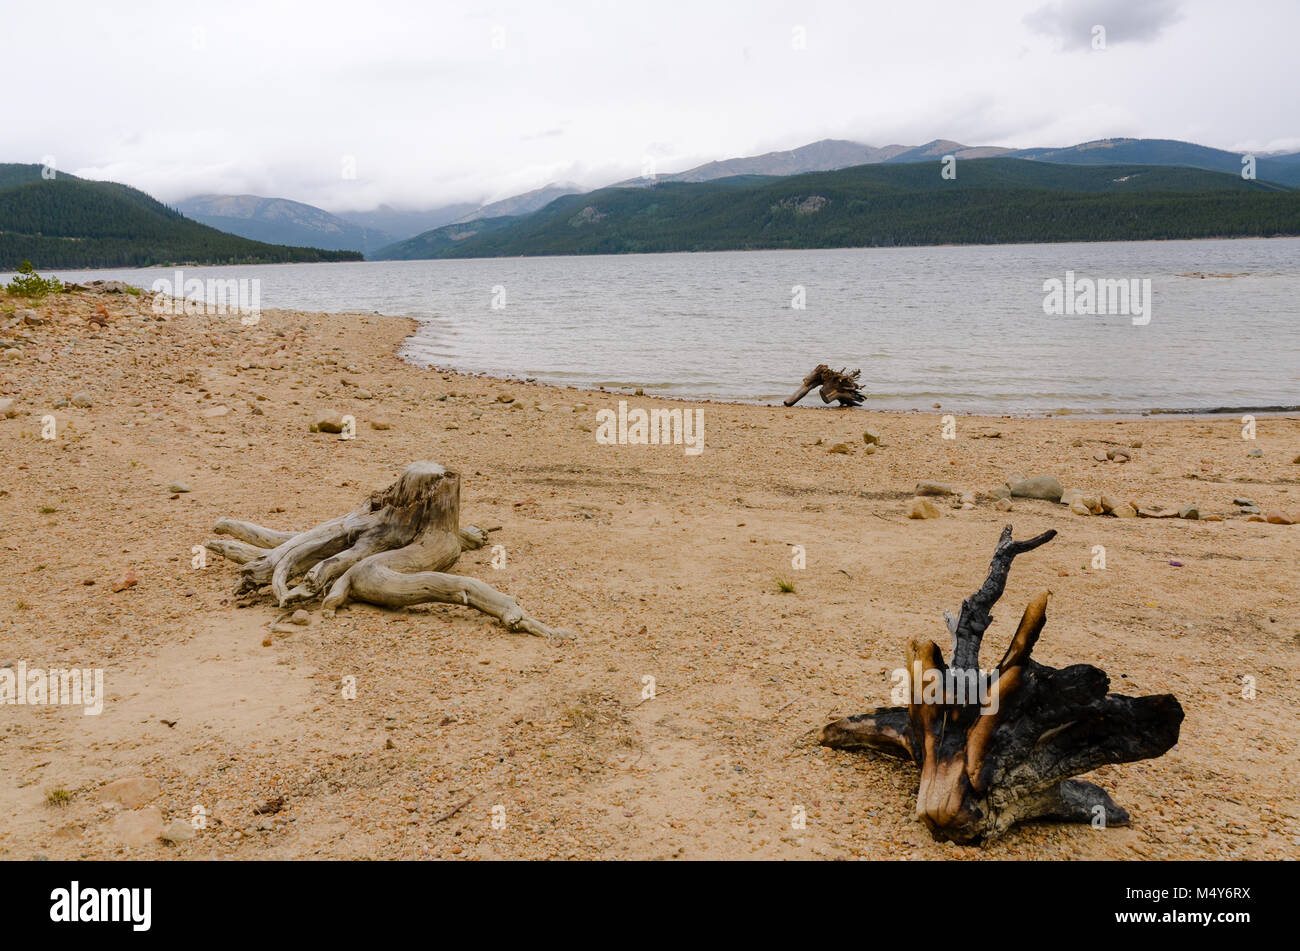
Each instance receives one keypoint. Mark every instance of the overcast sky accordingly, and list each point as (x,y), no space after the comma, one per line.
(439,102)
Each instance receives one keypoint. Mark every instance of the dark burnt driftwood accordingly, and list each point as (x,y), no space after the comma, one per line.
(842,386)
(988,765)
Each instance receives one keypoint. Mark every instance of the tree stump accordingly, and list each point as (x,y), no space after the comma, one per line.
(391,551)
(841,386)
(999,747)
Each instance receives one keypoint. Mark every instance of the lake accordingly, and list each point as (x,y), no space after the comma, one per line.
(961,326)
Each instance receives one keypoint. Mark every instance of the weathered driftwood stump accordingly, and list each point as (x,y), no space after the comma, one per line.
(842,386)
(391,551)
(999,747)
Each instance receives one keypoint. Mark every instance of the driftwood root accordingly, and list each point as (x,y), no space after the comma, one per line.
(393,550)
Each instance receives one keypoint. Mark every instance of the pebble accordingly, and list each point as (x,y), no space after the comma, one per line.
(301,617)
(1039,487)
(871,437)
(178,487)
(177,831)
(840,448)
(1003,505)
(933,488)
(130,791)
(138,827)
(1255,453)
(1278,517)
(1190,512)
(380,424)
(1157,510)
(82,400)
(1242,500)
(332,423)
(1117,455)
(922,508)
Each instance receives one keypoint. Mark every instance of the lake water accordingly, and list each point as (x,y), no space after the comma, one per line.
(960,326)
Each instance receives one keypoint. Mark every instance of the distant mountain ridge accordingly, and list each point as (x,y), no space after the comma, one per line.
(69,222)
(523,204)
(403,223)
(384,230)
(991,201)
(1283,168)
(822,156)
(282,221)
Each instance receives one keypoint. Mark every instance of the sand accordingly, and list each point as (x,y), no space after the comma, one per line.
(466,741)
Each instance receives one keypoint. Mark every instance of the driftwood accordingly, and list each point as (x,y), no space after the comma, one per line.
(1001,749)
(391,551)
(842,386)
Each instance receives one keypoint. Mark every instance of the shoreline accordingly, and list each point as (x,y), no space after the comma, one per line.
(665,564)
(409,354)
(811,401)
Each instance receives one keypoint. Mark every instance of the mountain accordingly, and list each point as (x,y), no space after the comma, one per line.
(941,147)
(831,154)
(281,221)
(992,201)
(1284,169)
(441,242)
(68,222)
(523,204)
(823,156)
(402,223)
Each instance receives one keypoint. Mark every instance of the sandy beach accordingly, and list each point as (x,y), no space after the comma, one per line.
(467,741)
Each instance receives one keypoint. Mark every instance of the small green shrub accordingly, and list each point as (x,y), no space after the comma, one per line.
(27,283)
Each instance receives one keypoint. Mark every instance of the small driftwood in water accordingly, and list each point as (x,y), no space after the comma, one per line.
(1004,751)
(391,551)
(842,386)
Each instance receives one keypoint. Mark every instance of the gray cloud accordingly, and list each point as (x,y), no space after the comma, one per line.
(1125,21)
